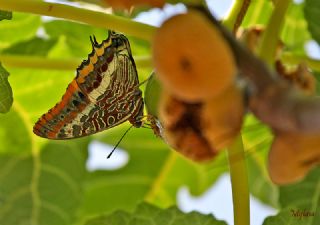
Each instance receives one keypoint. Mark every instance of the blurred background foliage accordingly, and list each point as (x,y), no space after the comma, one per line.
(47,182)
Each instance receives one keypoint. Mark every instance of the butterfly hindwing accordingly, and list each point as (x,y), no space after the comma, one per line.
(104,93)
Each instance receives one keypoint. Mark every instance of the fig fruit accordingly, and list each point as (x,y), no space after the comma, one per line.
(181,128)
(192,59)
(222,117)
(292,155)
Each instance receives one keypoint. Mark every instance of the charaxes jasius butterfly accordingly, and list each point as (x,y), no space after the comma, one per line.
(104,93)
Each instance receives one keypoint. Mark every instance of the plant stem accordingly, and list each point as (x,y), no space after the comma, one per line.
(239,183)
(35,62)
(296,59)
(236,14)
(93,18)
(270,37)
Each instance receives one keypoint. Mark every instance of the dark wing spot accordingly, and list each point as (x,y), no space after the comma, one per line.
(81,95)
(75,103)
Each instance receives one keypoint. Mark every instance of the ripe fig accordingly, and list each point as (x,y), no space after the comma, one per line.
(192,59)
(222,117)
(292,155)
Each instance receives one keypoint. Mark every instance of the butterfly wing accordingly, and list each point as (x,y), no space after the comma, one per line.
(104,93)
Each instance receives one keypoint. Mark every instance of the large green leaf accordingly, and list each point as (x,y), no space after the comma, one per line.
(300,202)
(154,173)
(35,46)
(147,214)
(6,98)
(312,15)
(77,37)
(21,27)
(42,188)
(257,139)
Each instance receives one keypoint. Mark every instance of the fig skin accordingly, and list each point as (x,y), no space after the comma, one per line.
(222,117)
(192,59)
(292,156)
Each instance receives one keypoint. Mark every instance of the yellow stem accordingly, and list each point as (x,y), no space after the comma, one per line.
(239,183)
(36,62)
(94,18)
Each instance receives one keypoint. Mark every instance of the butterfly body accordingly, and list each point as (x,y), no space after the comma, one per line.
(105,93)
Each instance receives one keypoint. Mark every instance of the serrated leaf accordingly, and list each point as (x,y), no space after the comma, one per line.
(6,97)
(146,214)
(312,15)
(300,202)
(42,188)
(21,27)
(5,15)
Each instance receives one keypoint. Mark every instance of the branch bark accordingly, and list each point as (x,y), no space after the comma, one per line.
(272,99)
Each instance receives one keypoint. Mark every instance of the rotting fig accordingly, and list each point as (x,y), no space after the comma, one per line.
(192,59)
(181,128)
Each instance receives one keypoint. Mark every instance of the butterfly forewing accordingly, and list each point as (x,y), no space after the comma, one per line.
(104,93)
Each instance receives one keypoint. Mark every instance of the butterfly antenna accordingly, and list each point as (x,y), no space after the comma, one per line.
(92,42)
(115,147)
(95,40)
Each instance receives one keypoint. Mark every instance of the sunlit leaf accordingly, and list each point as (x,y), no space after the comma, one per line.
(21,27)
(154,173)
(295,32)
(35,46)
(148,214)
(42,188)
(258,13)
(257,140)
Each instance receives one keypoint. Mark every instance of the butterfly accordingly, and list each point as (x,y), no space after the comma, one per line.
(104,94)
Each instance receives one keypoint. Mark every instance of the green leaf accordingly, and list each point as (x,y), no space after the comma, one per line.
(17,140)
(312,15)
(5,15)
(300,202)
(152,95)
(295,32)
(258,13)
(146,214)
(257,140)
(42,188)
(35,46)
(76,35)
(6,98)
(154,173)
(21,27)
